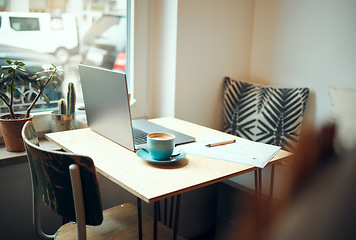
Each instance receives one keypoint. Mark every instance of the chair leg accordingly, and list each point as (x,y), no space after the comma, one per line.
(78,200)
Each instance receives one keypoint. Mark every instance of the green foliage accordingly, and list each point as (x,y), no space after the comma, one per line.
(12,76)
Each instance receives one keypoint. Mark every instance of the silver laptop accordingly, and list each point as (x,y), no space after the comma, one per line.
(108,111)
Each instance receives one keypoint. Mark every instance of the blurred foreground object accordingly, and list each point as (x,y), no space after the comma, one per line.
(319,196)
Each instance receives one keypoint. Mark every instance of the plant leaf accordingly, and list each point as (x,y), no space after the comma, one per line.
(45,97)
(59,77)
(54,85)
(41,78)
(6,67)
(20,78)
(22,70)
(8,61)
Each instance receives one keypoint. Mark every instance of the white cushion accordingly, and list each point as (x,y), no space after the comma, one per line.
(343,113)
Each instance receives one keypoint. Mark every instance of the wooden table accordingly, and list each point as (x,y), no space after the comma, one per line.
(152,182)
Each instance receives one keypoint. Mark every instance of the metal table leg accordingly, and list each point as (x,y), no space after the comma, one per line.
(175,230)
(155,219)
(258,194)
(271,182)
(139,216)
(171,213)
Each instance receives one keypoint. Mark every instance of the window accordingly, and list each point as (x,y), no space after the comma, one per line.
(24,24)
(57,23)
(105,43)
(96,35)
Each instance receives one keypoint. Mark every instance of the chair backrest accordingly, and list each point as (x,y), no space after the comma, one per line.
(51,176)
(265,114)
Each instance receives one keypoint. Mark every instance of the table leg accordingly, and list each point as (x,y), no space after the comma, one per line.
(139,216)
(165,211)
(258,195)
(171,212)
(155,219)
(271,182)
(159,211)
(175,230)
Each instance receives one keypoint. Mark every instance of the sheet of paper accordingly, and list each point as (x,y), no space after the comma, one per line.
(242,151)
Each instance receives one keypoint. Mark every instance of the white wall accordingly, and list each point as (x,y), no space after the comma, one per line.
(213,41)
(163,54)
(290,43)
(309,43)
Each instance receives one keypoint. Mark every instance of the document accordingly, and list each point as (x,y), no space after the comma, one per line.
(240,151)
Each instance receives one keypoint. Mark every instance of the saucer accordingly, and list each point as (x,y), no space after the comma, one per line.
(146,156)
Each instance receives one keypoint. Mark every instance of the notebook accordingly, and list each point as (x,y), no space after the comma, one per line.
(108,111)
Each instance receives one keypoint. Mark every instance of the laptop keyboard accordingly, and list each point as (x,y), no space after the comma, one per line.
(140,137)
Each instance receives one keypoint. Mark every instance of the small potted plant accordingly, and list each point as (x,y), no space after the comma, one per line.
(64,119)
(12,123)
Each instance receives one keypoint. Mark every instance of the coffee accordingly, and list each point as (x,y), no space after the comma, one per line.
(161,136)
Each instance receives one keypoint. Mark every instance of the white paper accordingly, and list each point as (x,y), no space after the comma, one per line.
(242,151)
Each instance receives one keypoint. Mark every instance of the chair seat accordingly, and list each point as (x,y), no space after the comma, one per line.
(120,222)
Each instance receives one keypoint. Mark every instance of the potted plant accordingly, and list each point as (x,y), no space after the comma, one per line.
(64,119)
(11,124)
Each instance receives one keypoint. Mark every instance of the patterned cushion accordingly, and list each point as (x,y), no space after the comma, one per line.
(264,113)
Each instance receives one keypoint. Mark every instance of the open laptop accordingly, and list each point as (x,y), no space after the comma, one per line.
(108,111)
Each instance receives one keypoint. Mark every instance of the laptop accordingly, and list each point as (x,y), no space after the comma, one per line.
(108,110)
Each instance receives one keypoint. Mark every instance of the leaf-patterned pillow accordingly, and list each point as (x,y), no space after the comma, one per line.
(264,113)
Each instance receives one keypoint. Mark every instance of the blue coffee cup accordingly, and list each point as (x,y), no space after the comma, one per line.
(160,145)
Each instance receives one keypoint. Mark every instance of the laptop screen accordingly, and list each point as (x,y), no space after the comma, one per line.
(106,104)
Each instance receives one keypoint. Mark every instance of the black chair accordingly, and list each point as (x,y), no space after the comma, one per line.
(67,184)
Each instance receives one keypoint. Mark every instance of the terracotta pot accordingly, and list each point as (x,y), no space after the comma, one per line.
(11,131)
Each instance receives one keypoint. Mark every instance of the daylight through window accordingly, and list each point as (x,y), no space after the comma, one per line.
(65,33)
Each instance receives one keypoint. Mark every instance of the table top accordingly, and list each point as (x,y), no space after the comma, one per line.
(149,181)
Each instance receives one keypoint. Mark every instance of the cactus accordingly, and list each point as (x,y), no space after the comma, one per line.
(71,98)
(62,106)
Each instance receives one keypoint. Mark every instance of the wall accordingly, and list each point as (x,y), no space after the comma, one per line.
(16,205)
(305,43)
(164,38)
(282,42)
(213,41)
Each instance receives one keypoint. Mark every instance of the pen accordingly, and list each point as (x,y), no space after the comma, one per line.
(220,143)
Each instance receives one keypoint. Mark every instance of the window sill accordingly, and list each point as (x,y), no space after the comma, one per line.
(42,123)
(13,158)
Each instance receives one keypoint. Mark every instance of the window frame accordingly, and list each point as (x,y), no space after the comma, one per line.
(138,56)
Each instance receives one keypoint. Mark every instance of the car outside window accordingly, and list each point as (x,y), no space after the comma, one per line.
(99,35)
(105,43)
